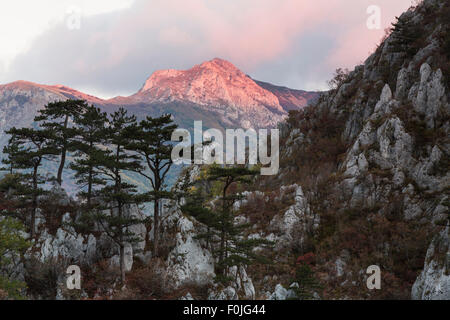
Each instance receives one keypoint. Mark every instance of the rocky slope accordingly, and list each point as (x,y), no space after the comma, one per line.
(290,99)
(378,175)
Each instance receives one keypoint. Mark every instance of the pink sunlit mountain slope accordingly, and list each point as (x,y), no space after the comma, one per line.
(219,87)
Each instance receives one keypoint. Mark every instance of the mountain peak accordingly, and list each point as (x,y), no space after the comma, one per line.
(216,65)
(216,82)
(219,64)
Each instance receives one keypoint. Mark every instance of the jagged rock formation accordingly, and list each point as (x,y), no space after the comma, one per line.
(433,282)
(377,146)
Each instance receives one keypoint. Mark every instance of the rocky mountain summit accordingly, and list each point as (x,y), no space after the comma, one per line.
(215,82)
(219,83)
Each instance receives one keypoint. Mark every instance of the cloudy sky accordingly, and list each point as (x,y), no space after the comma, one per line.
(109,47)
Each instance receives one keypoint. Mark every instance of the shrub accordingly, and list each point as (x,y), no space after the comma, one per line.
(307,282)
(42,277)
(151,281)
(340,76)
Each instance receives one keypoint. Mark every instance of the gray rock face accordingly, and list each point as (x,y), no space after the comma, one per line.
(189,260)
(434,281)
(297,217)
(229,293)
(114,262)
(429,94)
(281,293)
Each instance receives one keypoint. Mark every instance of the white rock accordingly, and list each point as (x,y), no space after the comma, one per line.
(280,293)
(434,281)
(189,261)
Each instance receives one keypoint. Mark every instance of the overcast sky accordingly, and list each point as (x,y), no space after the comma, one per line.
(109,47)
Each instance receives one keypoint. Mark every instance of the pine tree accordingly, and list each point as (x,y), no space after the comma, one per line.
(307,283)
(31,148)
(12,243)
(12,150)
(405,34)
(228,243)
(117,194)
(152,142)
(55,118)
(88,145)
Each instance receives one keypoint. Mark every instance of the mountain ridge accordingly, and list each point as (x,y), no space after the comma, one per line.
(157,82)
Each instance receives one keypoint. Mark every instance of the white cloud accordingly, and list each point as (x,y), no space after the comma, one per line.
(21,21)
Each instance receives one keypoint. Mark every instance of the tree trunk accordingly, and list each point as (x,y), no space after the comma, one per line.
(89,193)
(156,228)
(122,264)
(222,236)
(122,247)
(34,202)
(61,166)
(63,153)
(33,218)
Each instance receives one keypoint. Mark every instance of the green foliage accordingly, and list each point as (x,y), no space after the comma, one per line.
(31,147)
(105,148)
(307,282)
(12,243)
(91,133)
(116,193)
(12,149)
(54,119)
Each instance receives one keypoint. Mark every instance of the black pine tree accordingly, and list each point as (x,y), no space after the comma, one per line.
(117,194)
(228,243)
(152,142)
(89,148)
(31,147)
(55,118)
